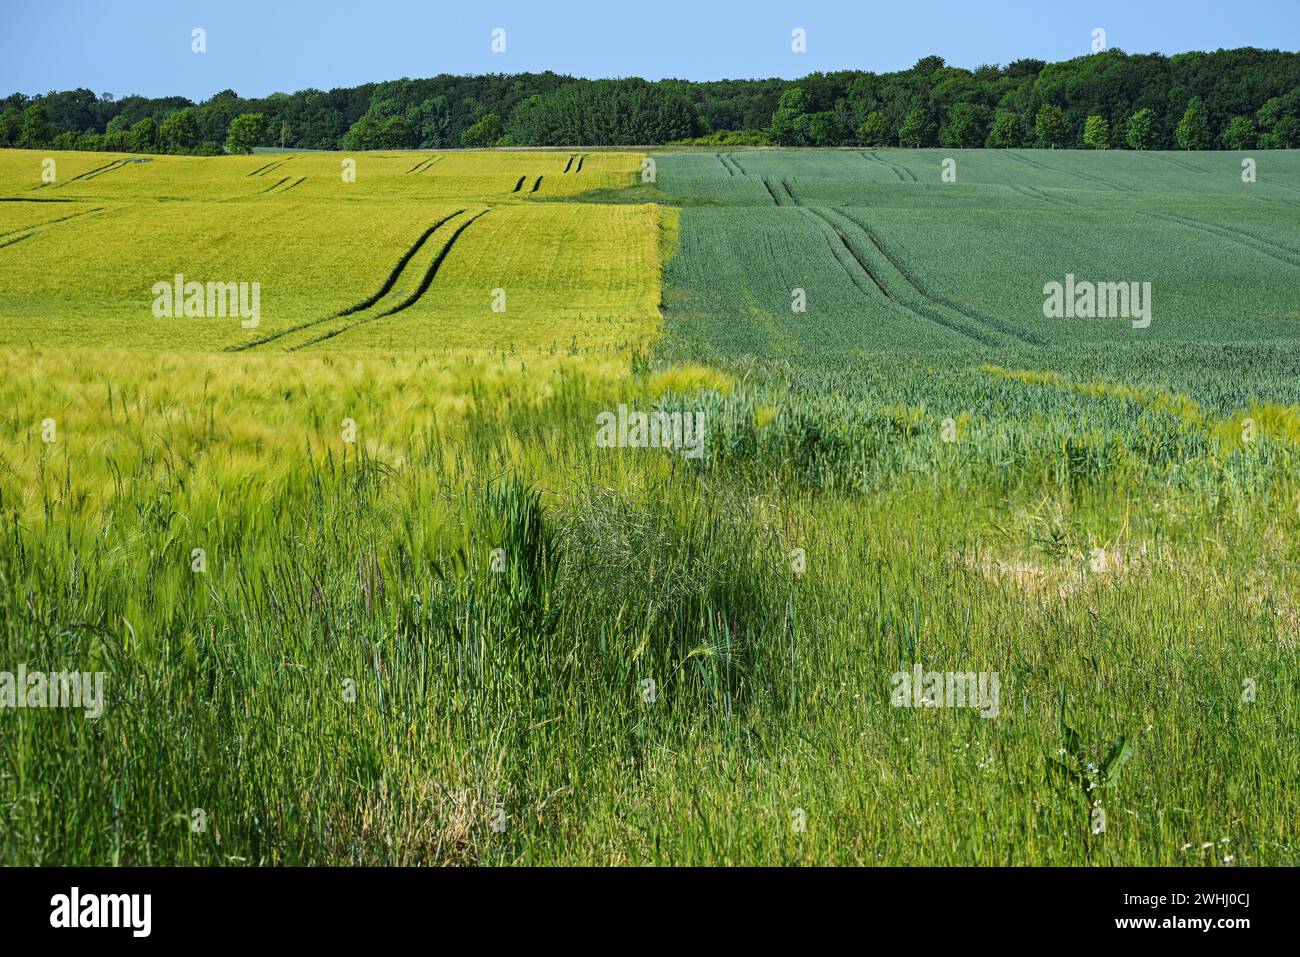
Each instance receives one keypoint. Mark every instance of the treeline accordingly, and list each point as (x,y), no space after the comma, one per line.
(1231,99)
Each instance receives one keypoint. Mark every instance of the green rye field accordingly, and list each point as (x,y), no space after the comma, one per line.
(367,589)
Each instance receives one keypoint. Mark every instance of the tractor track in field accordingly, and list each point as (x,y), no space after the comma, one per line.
(983,322)
(927,309)
(1274,201)
(862,265)
(581,159)
(400,265)
(434,266)
(1026,160)
(904,174)
(27,232)
(393,275)
(876,159)
(269,167)
(278,183)
(102,171)
(1063,200)
(1268,247)
(89,174)
(1282,247)
(410,300)
(1024,192)
(1037,194)
(1181,164)
(1086,177)
(519,185)
(997,325)
(730,164)
(777,195)
(537,185)
(569,164)
(423,165)
(1283,186)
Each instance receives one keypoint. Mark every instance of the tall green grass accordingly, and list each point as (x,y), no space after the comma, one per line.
(359,678)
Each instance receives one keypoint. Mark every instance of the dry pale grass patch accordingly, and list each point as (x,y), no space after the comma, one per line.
(1060,580)
(430,825)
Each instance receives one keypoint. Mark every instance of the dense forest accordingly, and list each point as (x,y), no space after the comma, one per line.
(1231,99)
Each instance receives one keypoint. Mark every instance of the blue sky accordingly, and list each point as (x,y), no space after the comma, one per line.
(255,48)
